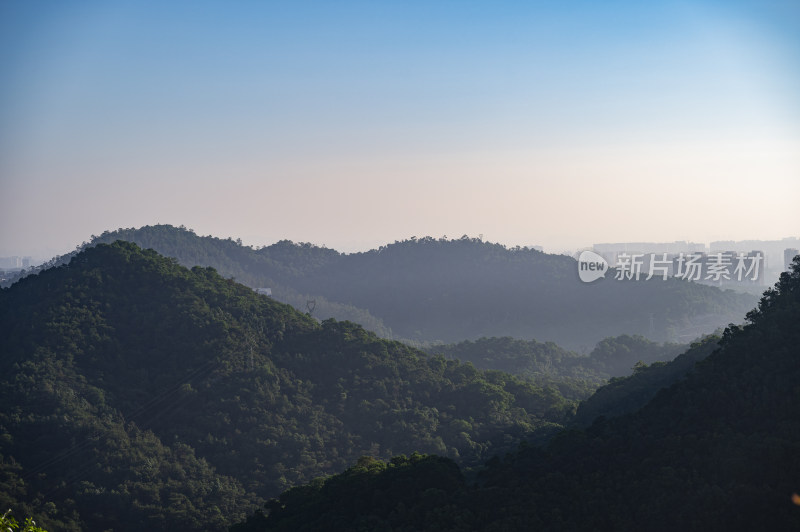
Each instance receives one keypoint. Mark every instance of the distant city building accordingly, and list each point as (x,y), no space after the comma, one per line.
(788,256)
(264,291)
(15,263)
(773,251)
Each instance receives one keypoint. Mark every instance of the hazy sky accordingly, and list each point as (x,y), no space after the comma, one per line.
(353,124)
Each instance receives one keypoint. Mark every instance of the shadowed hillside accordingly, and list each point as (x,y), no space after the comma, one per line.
(717,450)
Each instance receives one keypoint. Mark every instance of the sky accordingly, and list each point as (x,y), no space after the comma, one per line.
(355,124)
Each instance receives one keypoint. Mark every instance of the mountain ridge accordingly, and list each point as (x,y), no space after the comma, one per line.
(431,290)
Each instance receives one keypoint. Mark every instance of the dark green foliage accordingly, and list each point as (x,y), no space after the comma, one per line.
(627,394)
(618,356)
(573,375)
(437,290)
(529,358)
(138,394)
(402,494)
(9,524)
(717,450)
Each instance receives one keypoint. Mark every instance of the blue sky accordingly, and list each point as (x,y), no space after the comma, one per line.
(352,124)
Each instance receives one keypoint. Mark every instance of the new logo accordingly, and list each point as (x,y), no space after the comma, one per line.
(591,266)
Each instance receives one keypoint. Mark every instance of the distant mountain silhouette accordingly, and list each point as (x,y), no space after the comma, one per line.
(433,290)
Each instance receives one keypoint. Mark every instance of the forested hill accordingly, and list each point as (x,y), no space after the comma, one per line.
(546,362)
(718,450)
(627,394)
(272,267)
(140,395)
(440,290)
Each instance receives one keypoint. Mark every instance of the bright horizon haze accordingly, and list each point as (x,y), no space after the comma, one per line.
(354,124)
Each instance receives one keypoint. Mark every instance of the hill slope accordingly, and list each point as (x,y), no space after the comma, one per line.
(627,394)
(138,394)
(718,450)
(429,290)
(547,363)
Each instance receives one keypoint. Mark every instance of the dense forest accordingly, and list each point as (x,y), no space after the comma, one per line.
(139,394)
(627,394)
(428,290)
(719,449)
(548,364)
